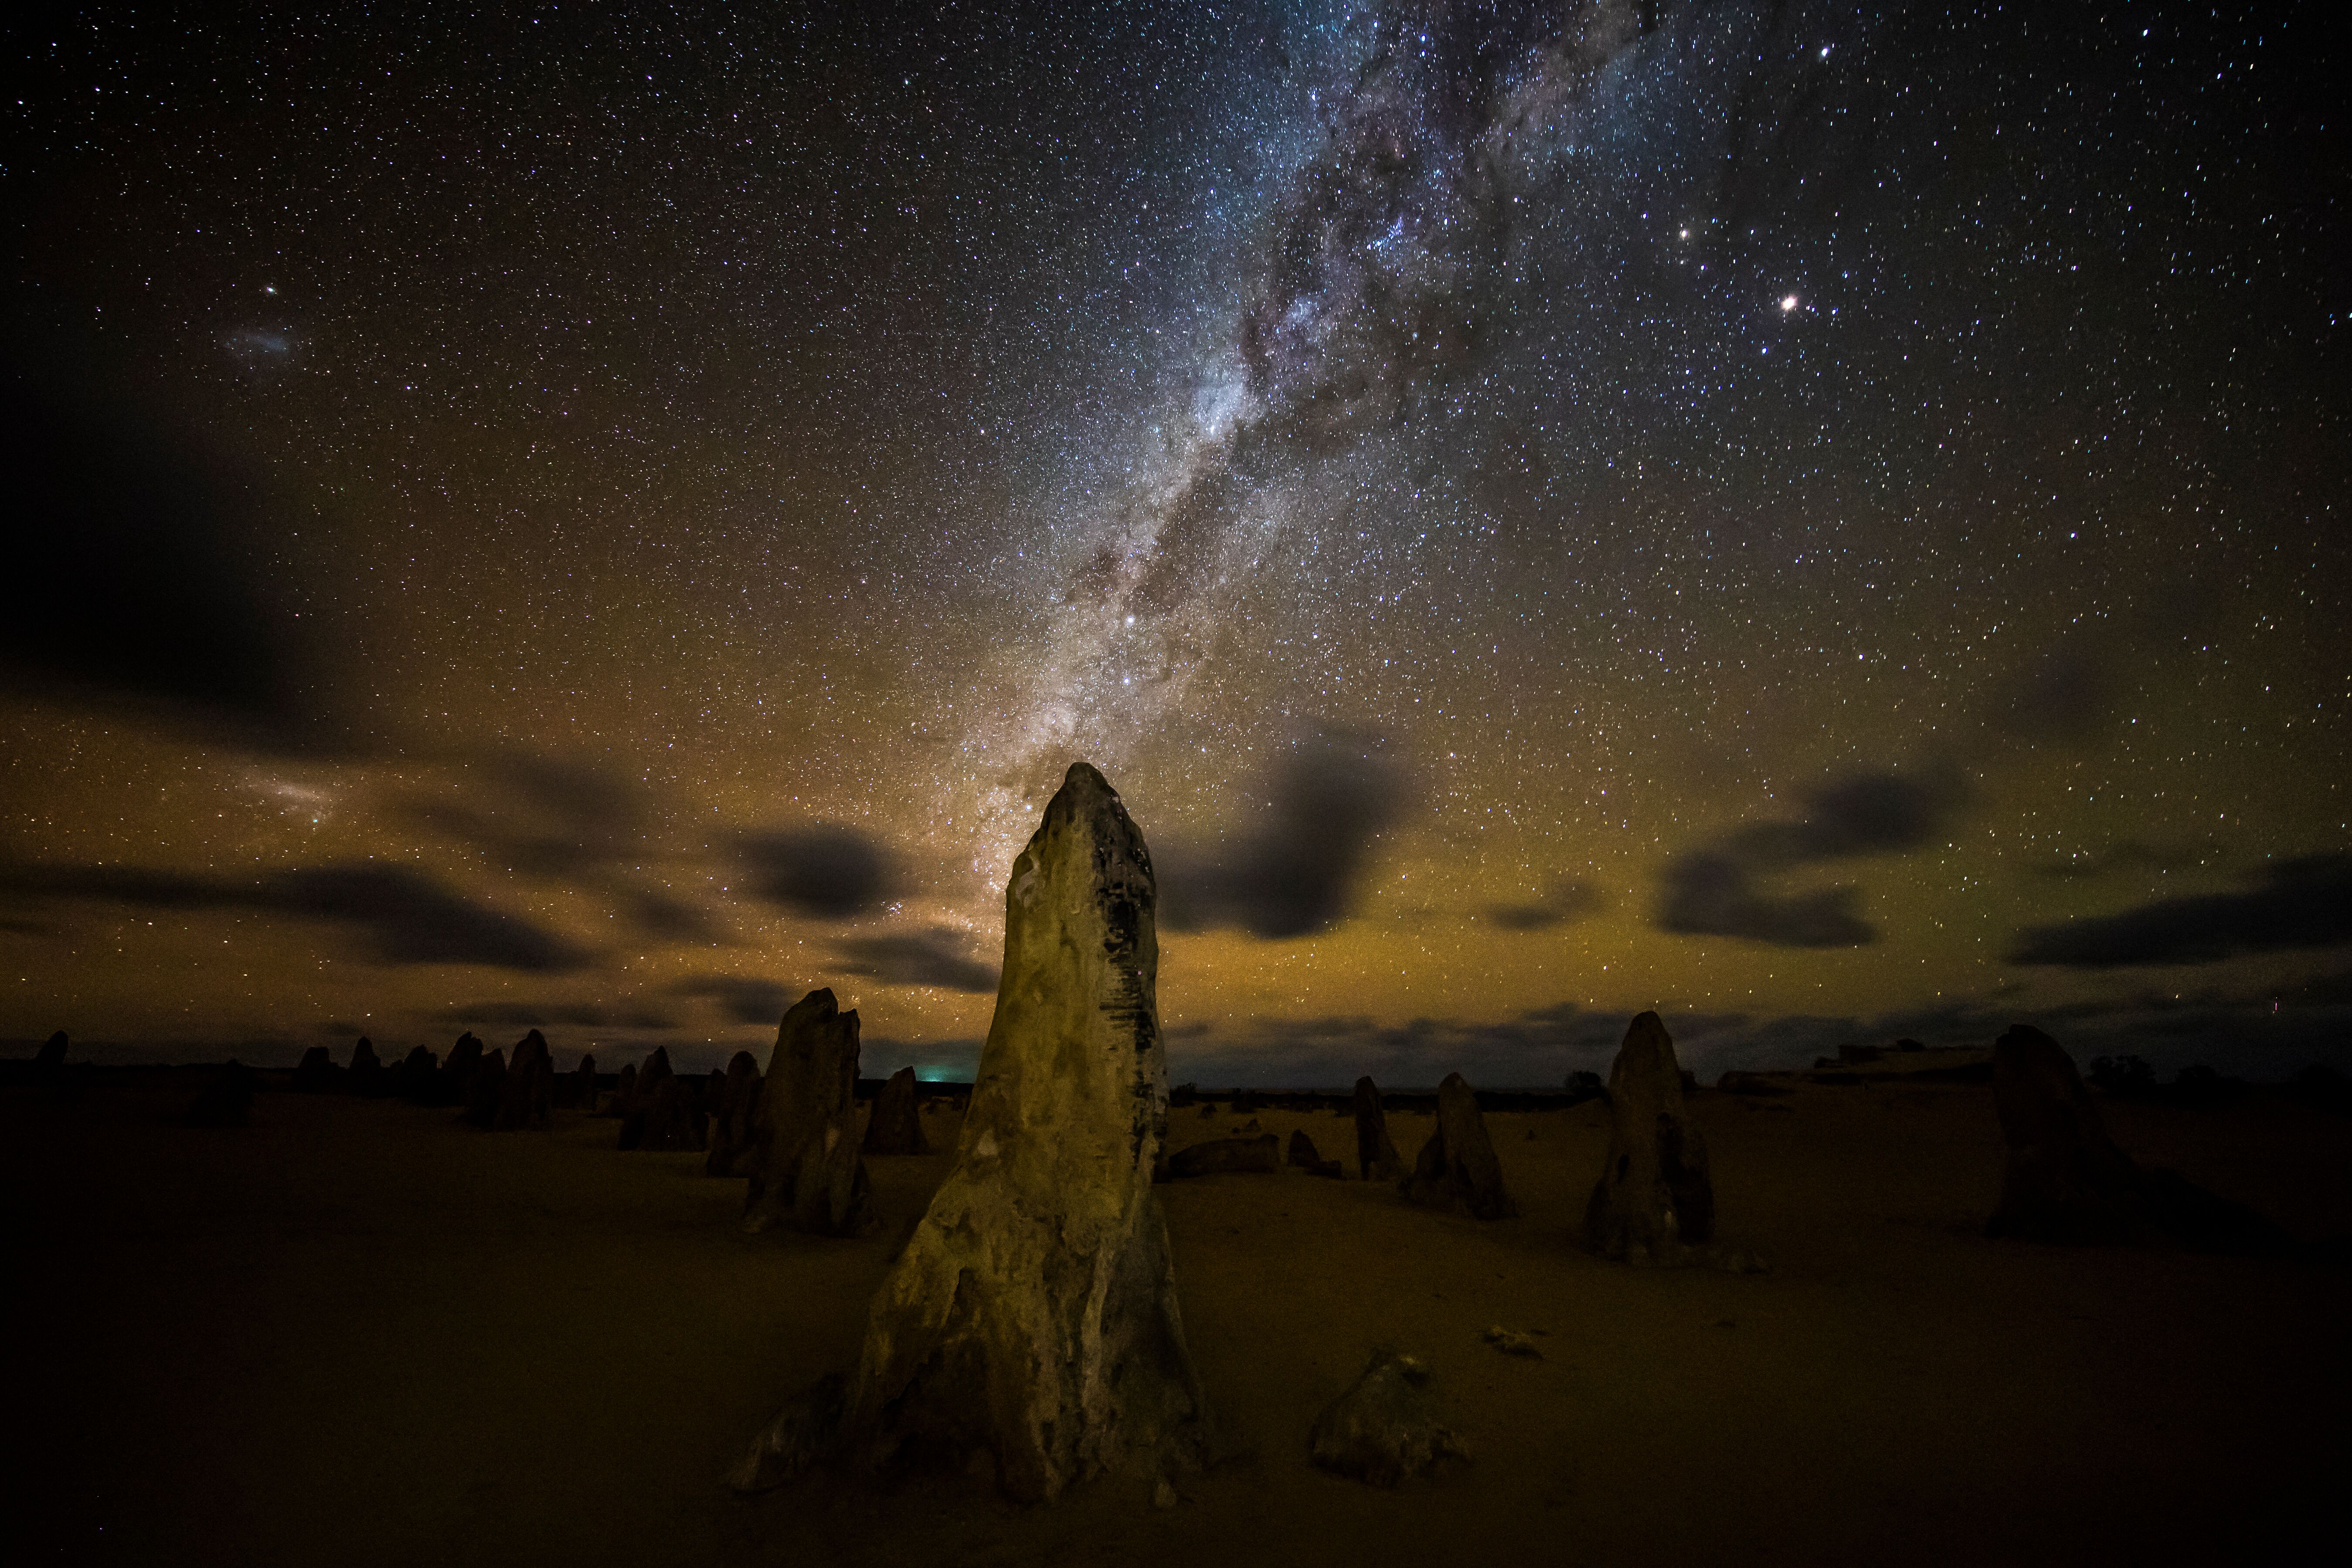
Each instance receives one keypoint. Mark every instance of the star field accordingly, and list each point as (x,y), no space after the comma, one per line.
(1767,512)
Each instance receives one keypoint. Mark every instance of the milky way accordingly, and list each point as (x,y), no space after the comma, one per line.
(1819,519)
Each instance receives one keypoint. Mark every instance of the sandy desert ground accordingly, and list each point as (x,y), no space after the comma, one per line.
(357,1332)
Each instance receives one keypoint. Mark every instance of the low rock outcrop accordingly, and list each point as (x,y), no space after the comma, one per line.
(1381,1430)
(1303,1153)
(1260,1156)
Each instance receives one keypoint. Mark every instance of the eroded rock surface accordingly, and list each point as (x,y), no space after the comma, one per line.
(1457,1169)
(804,1164)
(1031,1320)
(894,1126)
(527,1099)
(1376,1157)
(1381,1430)
(1655,1198)
(732,1114)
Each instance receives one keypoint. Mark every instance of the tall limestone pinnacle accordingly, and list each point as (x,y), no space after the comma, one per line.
(1033,1315)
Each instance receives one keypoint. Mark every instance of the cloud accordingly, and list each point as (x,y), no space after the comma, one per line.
(549,1014)
(1298,868)
(406,917)
(2301,903)
(829,870)
(1708,894)
(543,815)
(1715,891)
(134,558)
(1563,904)
(741,998)
(939,957)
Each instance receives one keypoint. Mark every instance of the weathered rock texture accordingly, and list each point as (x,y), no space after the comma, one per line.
(732,1115)
(1457,1169)
(1654,1198)
(805,1166)
(1376,1157)
(1381,1430)
(1032,1318)
(896,1127)
(1220,1156)
(528,1096)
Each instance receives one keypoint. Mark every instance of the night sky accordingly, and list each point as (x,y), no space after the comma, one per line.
(1826,521)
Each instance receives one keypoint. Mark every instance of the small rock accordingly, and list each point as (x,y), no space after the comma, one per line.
(1510,1342)
(1163,1495)
(1379,1431)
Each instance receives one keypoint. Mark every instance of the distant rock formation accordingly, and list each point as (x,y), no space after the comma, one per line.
(1381,1430)
(527,1099)
(1654,1197)
(732,1112)
(316,1073)
(366,1074)
(50,1060)
(805,1164)
(418,1076)
(1303,1153)
(227,1098)
(456,1078)
(484,1091)
(1260,1156)
(578,1087)
(624,1092)
(660,1112)
(1376,1157)
(2065,1181)
(1030,1322)
(1457,1169)
(896,1127)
